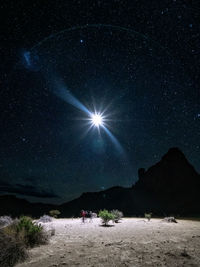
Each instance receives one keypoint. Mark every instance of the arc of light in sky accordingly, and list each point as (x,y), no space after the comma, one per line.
(62,92)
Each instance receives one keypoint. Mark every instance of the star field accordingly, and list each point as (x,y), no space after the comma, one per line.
(138,60)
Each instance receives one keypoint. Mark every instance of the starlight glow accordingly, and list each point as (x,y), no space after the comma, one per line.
(97,120)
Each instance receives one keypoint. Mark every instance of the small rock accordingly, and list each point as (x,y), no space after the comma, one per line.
(185,254)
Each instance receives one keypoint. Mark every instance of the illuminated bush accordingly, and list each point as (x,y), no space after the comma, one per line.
(45,219)
(30,233)
(26,232)
(148,216)
(22,233)
(49,229)
(106,216)
(117,215)
(54,213)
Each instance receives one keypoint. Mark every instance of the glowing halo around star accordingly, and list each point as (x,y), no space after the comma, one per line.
(97,119)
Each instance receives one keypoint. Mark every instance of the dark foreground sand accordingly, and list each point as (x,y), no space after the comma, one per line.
(133,242)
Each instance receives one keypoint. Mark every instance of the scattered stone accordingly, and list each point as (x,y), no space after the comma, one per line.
(170,254)
(185,254)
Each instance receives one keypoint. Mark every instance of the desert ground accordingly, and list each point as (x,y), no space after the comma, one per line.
(132,242)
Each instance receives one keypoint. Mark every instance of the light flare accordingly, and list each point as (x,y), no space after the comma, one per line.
(97,119)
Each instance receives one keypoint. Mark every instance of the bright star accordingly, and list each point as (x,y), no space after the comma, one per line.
(97,119)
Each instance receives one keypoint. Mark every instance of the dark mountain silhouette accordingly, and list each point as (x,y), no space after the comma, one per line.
(173,183)
(169,187)
(11,205)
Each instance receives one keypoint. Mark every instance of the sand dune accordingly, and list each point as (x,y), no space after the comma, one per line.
(133,242)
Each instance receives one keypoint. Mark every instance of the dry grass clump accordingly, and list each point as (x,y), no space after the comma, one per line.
(12,250)
(117,215)
(5,220)
(15,238)
(29,232)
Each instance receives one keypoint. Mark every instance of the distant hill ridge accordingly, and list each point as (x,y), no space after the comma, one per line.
(171,186)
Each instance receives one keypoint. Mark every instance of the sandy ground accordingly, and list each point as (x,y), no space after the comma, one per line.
(133,242)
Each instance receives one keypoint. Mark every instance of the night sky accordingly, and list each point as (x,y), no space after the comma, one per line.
(137,62)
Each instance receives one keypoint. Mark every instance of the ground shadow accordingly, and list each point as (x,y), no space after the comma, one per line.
(108,225)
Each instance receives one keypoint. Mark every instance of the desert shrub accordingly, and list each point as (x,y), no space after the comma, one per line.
(33,234)
(106,216)
(148,216)
(12,250)
(117,215)
(48,229)
(45,219)
(16,237)
(5,220)
(11,230)
(94,215)
(170,219)
(54,213)
(27,232)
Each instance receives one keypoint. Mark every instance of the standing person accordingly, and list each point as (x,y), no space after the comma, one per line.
(83,213)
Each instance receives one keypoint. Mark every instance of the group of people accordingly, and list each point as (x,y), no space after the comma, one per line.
(87,214)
